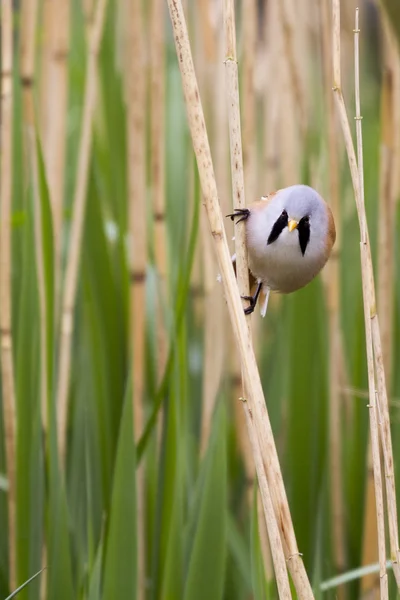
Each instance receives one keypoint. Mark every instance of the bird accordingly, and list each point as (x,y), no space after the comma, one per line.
(290,234)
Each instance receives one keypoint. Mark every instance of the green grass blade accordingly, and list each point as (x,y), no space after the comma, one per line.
(21,587)
(259,584)
(206,571)
(47,251)
(30,459)
(120,555)
(95,577)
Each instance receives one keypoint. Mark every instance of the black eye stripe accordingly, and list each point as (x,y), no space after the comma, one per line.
(304,233)
(278,227)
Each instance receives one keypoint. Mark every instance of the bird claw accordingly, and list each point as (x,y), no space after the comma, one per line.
(252,300)
(252,304)
(243,213)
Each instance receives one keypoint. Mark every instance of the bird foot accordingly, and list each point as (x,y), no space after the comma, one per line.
(252,300)
(252,304)
(243,213)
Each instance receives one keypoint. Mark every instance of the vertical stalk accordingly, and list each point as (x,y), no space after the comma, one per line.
(249,20)
(7,366)
(54,103)
(356,169)
(289,31)
(27,64)
(208,68)
(272,94)
(333,301)
(242,271)
(77,222)
(157,106)
(136,123)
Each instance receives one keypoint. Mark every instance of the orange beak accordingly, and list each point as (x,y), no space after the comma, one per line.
(292,224)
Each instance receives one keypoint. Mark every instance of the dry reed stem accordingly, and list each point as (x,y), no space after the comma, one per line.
(157,164)
(368,284)
(236,163)
(366,269)
(385,272)
(238,195)
(209,42)
(272,95)
(235,139)
(157,107)
(27,63)
(77,222)
(252,379)
(272,526)
(295,80)
(204,288)
(7,366)
(382,406)
(333,304)
(136,123)
(214,312)
(242,270)
(54,117)
(249,20)
(390,114)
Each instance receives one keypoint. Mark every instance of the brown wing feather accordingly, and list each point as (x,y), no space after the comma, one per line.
(330,240)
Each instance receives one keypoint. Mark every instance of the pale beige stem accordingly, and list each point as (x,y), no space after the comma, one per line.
(157,166)
(386,227)
(77,222)
(54,116)
(7,366)
(242,274)
(295,80)
(333,303)
(272,95)
(382,406)
(249,20)
(157,102)
(136,123)
(356,170)
(27,64)
(216,347)
(275,541)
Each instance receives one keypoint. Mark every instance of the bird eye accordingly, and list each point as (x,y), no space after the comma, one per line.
(284,214)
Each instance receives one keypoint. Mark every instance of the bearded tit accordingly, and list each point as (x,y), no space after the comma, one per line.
(289,235)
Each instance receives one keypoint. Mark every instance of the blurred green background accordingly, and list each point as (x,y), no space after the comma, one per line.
(174,514)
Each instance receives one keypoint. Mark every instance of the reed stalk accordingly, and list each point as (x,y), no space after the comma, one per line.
(249,20)
(29,9)
(209,68)
(6,341)
(289,32)
(238,195)
(275,541)
(382,405)
(387,197)
(77,222)
(157,107)
(272,96)
(255,399)
(136,128)
(356,169)
(390,115)
(333,305)
(157,163)
(54,104)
